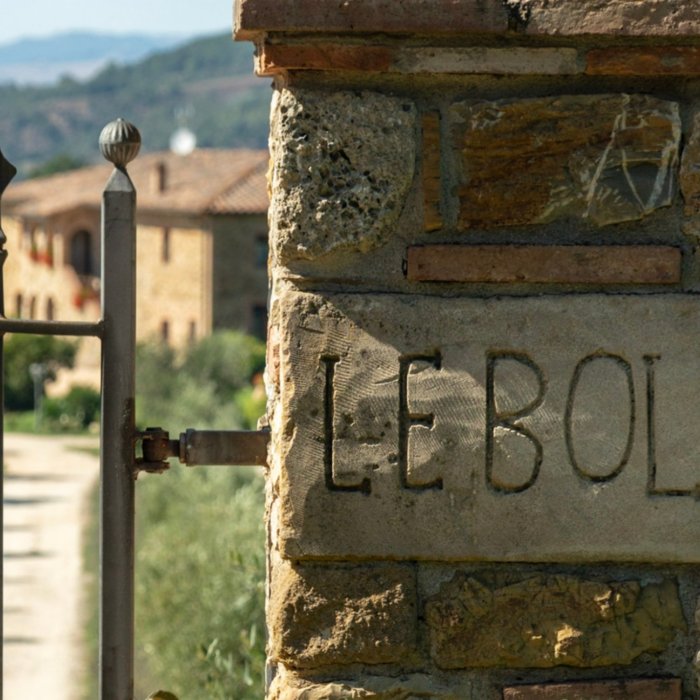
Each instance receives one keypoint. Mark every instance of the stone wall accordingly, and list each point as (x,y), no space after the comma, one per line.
(481,365)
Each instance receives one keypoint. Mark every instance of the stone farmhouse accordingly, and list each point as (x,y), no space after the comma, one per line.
(201,252)
(201,245)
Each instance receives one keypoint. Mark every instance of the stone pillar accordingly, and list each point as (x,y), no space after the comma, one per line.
(483,369)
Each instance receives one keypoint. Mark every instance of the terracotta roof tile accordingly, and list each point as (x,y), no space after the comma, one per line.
(213,181)
(246,196)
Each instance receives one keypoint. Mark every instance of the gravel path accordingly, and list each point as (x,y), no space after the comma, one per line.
(47,483)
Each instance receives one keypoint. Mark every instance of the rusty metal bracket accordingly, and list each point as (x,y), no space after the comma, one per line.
(202,448)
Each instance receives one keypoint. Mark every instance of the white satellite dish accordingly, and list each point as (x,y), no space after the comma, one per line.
(183,141)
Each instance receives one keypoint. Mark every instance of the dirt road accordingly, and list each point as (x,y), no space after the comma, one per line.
(47,483)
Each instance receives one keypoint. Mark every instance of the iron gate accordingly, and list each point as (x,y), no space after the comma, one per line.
(119,465)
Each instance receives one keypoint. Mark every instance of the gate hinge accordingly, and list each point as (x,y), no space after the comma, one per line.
(202,447)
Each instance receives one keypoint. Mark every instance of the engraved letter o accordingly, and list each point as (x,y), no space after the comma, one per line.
(582,470)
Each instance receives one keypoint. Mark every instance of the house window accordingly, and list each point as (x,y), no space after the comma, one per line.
(32,307)
(50,311)
(19,303)
(81,254)
(261,250)
(165,249)
(258,321)
(192,335)
(165,331)
(29,238)
(49,250)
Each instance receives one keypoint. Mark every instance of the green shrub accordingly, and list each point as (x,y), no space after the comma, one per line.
(78,409)
(200,557)
(198,389)
(200,582)
(21,351)
(200,544)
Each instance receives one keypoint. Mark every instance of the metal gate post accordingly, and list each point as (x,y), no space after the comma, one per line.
(119,143)
(7,172)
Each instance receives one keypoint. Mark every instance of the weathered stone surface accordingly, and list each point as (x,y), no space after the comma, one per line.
(412,687)
(605,158)
(321,615)
(608,17)
(566,17)
(556,428)
(647,689)
(690,169)
(550,621)
(255,16)
(650,60)
(342,164)
(589,265)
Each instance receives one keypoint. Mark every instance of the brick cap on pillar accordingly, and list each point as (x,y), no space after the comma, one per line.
(662,18)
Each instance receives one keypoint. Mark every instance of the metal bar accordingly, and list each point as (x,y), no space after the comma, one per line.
(72,328)
(7,172)
(119,143)
(224,447)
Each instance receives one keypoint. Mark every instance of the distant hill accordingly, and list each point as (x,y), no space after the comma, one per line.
(208,82)
(78,54)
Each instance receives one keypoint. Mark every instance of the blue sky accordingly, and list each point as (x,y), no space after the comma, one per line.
(35,18)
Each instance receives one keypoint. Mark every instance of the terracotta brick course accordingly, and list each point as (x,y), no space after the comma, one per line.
(652,60)
(431,171)
(274,58)
(545,264)
(277,58)
(655,689)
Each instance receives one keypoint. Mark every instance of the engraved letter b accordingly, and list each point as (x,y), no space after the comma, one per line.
(508,419)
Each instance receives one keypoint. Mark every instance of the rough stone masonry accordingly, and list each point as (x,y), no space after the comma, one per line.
(483,369)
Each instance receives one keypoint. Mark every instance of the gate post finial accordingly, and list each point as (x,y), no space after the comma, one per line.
(120,142)
(7,172)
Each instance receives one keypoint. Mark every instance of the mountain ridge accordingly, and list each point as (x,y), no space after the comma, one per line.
(206,84)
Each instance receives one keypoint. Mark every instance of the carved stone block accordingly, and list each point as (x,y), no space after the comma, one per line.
(558,428)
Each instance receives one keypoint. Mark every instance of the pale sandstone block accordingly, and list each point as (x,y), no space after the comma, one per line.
(342,164)
(550,621)
(604,158)
(556,428)
(321,615)
(512,61)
